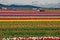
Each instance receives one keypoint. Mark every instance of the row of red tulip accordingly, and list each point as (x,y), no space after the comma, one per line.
(33,38)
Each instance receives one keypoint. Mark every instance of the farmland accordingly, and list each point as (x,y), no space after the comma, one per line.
(29,28)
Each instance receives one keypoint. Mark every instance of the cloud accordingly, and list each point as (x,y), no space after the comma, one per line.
(29,2)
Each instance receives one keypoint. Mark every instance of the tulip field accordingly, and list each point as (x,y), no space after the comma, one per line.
(28,23)
(29,29)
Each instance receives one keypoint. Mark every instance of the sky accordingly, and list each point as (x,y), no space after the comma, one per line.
(27,2)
